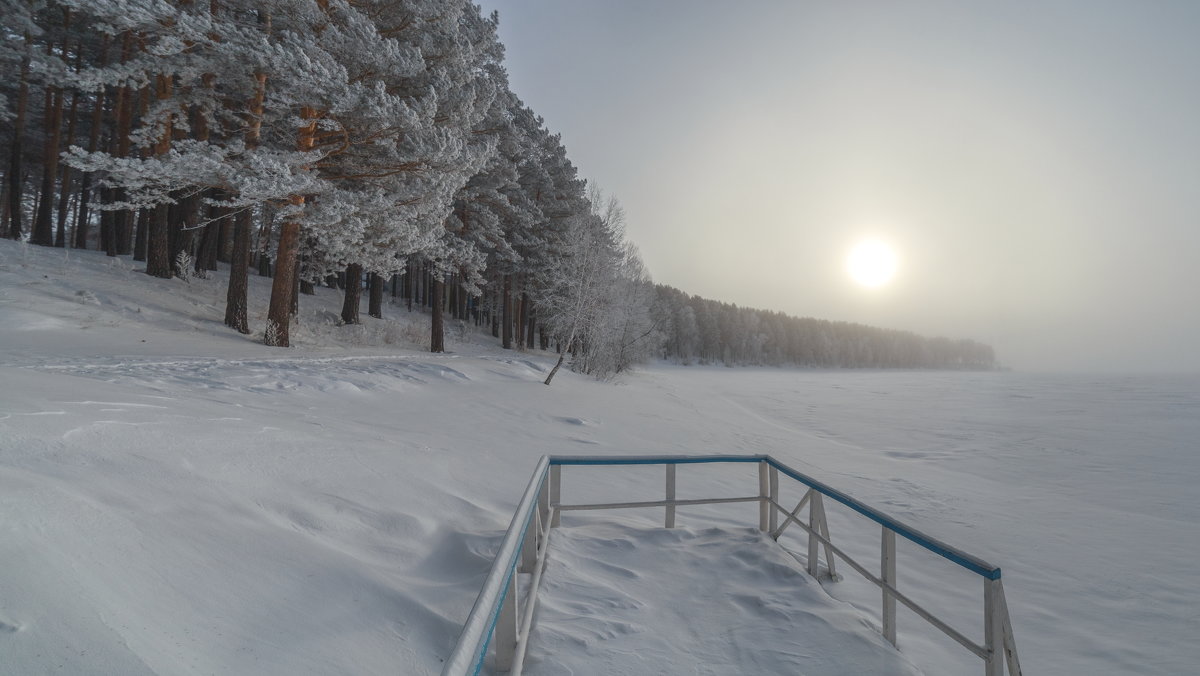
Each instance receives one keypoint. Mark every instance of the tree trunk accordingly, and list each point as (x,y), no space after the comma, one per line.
(158,250)
(64,197)
(519,315)
(137,221)
(82,216)
(562,348)
(278,316)
(174,225)
(139,108)
(225,241)
(60,235)
(188,219)
(557,365)
(43,224)
(239,271)
(407,283)
(121,225)
(158,254)
(375,303)
(531,323)
(108,224)
(419,279)
(141,225)
(494,313)
(352,299)
(507,321)
(121,221)
(264,242)
(427,286)
(13,177)
(295,304)
(82,224)
(239,266)
(183,236)
(206,252)
(437,329)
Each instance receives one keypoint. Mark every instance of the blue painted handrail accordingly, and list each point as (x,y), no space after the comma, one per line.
(968,561)
(471,648)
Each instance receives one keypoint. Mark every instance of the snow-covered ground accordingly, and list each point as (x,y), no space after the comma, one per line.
(178,499)
(624,600)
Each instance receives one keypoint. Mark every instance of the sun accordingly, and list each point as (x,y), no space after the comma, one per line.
(872,263)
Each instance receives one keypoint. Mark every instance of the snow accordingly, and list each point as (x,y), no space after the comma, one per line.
(176,498)
(622,596)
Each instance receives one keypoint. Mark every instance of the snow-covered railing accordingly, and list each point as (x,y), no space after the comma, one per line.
(502,619)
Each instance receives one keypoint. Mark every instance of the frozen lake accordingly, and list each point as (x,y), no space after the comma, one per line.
(1082,488)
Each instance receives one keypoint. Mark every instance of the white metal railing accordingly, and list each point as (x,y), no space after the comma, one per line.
(501,619)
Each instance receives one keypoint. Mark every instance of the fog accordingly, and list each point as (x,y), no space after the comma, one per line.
(1034,164)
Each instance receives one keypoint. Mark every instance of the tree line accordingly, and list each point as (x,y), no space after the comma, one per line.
(698,330)
(362,144)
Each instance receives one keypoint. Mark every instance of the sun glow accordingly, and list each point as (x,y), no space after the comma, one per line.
(872,263)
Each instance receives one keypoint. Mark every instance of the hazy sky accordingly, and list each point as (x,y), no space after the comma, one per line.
(1036,164)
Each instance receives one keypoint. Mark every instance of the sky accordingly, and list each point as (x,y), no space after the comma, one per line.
(1035,165)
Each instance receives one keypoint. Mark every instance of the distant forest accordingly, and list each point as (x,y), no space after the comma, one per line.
(370,145)
(708,331)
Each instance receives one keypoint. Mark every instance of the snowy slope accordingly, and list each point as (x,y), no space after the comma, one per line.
(178,499)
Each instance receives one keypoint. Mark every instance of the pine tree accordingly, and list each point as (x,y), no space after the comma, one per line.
(13,181)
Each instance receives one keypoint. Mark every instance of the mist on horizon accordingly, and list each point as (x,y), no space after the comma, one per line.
(1032,164)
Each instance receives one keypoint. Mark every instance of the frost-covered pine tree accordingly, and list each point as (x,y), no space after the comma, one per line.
(548,194)
(207,66)
(491,205)
(400,148)
(18,58)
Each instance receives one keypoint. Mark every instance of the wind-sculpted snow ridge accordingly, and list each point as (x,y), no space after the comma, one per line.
(345,375)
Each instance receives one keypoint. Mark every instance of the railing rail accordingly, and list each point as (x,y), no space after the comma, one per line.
(499,618)
(495,605)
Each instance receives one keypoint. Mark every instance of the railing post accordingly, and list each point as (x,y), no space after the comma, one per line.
(829,560)
(543,505)
(763,492)
(1010,643)
(993,629)
(555,494)
(529,548)
(773,475)
(506,627)
(670,518)
(887,566)
(814,525)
